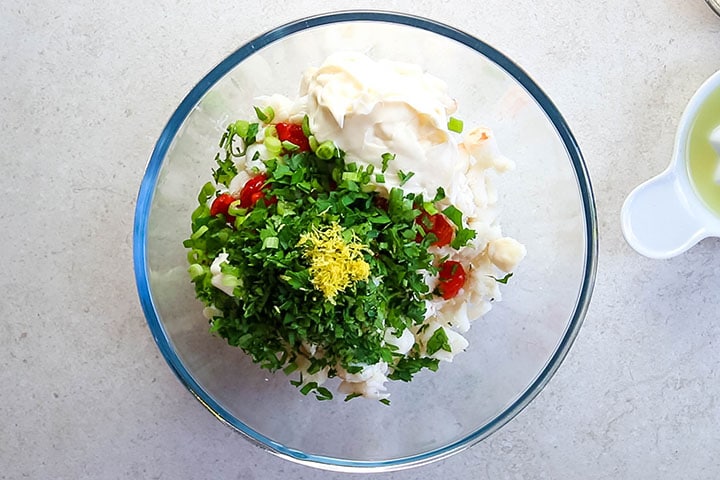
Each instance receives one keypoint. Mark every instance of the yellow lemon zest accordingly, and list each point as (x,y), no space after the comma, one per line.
(334,263)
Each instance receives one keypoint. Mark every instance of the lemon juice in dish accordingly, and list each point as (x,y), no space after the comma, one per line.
(702,159)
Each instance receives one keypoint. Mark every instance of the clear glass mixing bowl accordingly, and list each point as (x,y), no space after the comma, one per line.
(546,203)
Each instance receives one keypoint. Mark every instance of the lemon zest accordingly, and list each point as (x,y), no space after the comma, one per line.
(335,263)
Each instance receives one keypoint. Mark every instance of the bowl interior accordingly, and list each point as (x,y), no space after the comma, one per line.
(545,203)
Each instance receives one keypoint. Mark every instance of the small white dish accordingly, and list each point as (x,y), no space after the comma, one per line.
(665,216)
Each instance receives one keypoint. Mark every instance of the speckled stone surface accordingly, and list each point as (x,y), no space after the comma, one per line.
(86,87)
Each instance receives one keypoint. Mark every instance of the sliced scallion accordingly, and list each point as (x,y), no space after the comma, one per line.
(289,146)
(199,232)
(273,145)
(455,125)
(351,176)
(326,150)
(266,114)
(430,208)
(235,209)
(271,242)
(312,141)
(270,131)
(196,270)
(241,127)
(306,126)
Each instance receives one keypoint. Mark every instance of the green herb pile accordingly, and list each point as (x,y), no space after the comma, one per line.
(275,308)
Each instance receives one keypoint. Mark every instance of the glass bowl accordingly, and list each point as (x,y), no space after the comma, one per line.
(546,203)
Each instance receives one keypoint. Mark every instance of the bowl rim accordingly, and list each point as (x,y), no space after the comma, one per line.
(146,194)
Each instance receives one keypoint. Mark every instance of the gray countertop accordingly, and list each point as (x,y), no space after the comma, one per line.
(87,88)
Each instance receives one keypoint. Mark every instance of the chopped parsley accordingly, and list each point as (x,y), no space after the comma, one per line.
(438,341)
(323,260)
(503,280)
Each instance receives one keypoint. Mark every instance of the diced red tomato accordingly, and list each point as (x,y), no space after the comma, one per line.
(438,225)
(291,132)
(221,204)
(252,191)
(451,279)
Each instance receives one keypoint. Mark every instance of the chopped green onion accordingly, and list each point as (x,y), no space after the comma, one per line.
(309,387)
(195,255)
(234,209)
(271,242)
(195,270)
(323,393)
(379,178)
(326,150)
(351,176)
(241,127)
(306,126)
(289,146)
(455,125)
(312,141)
(266,114)
(430,208)
(199,232)
(273,145)
(207,191)
(201,211)
(271,131)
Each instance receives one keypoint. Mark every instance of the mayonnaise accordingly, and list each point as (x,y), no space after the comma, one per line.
(369,108)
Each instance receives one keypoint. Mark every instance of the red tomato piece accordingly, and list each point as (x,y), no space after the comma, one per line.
(438,225)
(451,279)
(293,133)
(249,193)
(221,204)
(255,197)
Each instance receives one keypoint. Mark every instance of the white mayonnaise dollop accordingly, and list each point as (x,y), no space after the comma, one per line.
(369,108)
